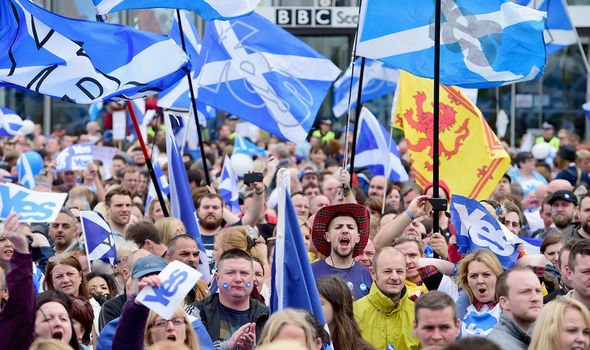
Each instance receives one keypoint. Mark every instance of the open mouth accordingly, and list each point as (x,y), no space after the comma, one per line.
(171,337)
(57,335)
(482,290)
(344,242)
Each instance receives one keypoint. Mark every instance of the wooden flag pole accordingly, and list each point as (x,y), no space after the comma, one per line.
(148,160)
(194,103)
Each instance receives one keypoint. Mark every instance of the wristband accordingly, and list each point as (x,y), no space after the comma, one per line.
(410,214)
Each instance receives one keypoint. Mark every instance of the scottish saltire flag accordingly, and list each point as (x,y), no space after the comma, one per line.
(162,182)
(244,146)
(259,72)
(100,242)
(28,166)
(94,110)
(177,123)
(559,31)
(83,61)
(38,279)
(373,146)
(10,122)
(478,229)
(178,95)
(207,9)
(378,79)
(293,283)
(181,201)
(483,43)
(228,188)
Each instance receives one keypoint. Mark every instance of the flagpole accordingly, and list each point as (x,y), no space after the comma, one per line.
(148,160)
(356,117)
(387,165)
(435,139)
(512,114)
(194,103)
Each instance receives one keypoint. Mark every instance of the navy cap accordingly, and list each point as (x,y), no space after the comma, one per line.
(147,265)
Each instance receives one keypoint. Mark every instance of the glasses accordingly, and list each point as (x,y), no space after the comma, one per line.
(177,321)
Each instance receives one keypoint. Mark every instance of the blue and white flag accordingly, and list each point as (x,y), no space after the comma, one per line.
(10,122)
(178,95)
(177,124)
(100,242)
(228,188)
(162,182)
(259,72)
(586,107)
(378,79)
(207,9)
(293,282)
(483,43)
(244,146)
(94,110)
(74,157)
(559,31)
(181,201)
(478,229)
(28,166)
(373,144)
(83,61)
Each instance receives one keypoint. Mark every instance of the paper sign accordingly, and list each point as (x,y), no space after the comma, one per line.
(104,154)
(119,125)
(75,157)
(33,206)
(177,280)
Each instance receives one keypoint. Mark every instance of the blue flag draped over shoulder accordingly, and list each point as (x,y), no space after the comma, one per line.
(478,229)
(83,61)
(207,9)
(483,43)
(378,79)
(181,201)
(259,72)
(293,282)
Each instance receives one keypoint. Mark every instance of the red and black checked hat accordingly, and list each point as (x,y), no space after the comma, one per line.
(323,217)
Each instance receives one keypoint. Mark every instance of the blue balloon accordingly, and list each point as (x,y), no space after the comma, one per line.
(35,162)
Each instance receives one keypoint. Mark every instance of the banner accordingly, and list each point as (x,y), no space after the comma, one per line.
(33,206)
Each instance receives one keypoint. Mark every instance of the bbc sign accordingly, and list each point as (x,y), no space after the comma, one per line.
(311,16)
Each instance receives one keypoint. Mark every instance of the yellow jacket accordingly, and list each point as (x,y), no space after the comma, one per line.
(384,323)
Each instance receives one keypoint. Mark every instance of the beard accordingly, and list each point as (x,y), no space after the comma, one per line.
(210,224)
(561,221)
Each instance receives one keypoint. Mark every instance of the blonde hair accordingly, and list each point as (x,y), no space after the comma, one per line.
(150,215)
(167,228)
(480,255)
(550,323)
(287,317)
(282,345)
(191,339)
(237,237)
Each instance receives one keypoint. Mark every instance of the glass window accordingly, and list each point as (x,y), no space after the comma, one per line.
(80,9)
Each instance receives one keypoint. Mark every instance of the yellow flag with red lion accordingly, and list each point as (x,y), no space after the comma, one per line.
(472,160)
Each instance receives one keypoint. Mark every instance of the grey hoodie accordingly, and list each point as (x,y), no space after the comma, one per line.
(509,336)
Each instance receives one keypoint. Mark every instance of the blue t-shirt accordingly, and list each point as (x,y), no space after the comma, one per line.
(358,277)
(231,320)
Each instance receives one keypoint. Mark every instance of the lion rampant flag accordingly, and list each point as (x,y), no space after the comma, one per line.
(472,160)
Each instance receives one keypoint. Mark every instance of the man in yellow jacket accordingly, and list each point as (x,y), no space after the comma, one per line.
(386,316)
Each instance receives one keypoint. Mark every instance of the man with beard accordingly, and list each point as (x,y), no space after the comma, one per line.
(563,206)
(210,214)
(519,293)
(340,233)
(118,204)
(184,248)
(584,214)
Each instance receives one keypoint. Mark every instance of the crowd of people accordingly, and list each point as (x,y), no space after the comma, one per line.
(386,279)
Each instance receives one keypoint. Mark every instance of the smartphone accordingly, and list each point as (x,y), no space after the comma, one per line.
(250,178)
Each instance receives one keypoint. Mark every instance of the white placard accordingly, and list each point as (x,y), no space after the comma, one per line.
(119,125)
(33,206)
(177,280)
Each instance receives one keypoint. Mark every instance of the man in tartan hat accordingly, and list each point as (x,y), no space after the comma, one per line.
(340,233)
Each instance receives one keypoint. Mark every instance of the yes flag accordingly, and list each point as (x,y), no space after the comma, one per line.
(242,145)
(559,31)
(74,157)
(478,229)
(259,72)
(472,160)
(82,61)
(373,143)
(483,43)
(228,188)
(207,9)
(100,243)
(181,201)
(178,95)
(378,79)
(293,282)
(10,122)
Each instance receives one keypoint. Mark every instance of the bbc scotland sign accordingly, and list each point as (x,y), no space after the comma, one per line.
(335,17)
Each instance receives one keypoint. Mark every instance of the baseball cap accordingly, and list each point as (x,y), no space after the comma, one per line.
(147,265)
(565,195)
(547,125)
(326,121)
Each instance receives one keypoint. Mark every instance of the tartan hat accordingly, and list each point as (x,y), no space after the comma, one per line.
(323,217)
